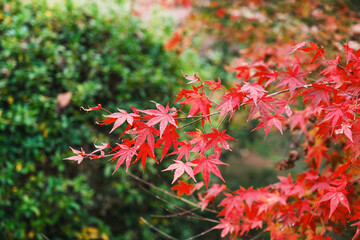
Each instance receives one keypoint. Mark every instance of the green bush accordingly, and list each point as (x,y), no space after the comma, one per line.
(98,57)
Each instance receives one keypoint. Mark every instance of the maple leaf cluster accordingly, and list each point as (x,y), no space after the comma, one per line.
(324,197)
(323,107)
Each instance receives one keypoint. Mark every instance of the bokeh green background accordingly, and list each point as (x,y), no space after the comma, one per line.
(100,53)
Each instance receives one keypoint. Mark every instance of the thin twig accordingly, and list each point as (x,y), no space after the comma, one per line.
(189,124)
(182,214)
(356,103)
(197,217)
(176,214)
(169,193)
(156,229)
(353,183)
(201,116)
(200,234)
(222,120)
(345,70)
(187,117)
(257,236)
(192,158)
(106,110)
(45,237)
(164,200)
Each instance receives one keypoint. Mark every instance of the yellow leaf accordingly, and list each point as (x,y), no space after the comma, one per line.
(31,234)
(18,166)
(10,100)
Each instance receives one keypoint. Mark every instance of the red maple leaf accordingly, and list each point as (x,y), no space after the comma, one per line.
(349,53)
(277,231)
(100,148)
(335,198)
(192,79)
(185,93)
(340,170)
(315,181)
(283,107)
(263,106)
(106,121)
(318,151)
(124,154)
(183,150)
(271,77)
(207,165)
(297,46)
(183,187)
(199,142)
(232,203)
(199,102)
(161,115)
(79,155)
(253,91)
(319,93)
(293,78)
(227,227)
(91,108)
(243,71)
(336,195)
(170,137)
(298,120)
(337,113)
(211,194)
(319,51)
(250,195)
(181,167)
(231,101)
(144,152)
(272,120)
(215,138)
(270,200)
(121,117)
(289,188)
(345,129)
(144,133)
(214,85)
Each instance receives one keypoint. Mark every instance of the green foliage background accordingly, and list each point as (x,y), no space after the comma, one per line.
(101,53)
(100,57)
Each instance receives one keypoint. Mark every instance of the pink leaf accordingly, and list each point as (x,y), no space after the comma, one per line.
(181,167)
(297,46)
(121,117)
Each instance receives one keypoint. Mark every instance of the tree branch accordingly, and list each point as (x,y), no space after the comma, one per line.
(200,234)
(197,217)
(169,193)
(143,220)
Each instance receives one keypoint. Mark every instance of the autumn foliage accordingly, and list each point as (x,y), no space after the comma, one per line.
(307,93)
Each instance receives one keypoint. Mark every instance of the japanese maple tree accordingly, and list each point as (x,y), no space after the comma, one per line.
(326,111)
(300,89)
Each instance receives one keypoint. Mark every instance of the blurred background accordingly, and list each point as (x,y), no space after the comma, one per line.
(59,55)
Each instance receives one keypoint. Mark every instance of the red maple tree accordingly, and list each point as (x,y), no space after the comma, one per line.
(308,94)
